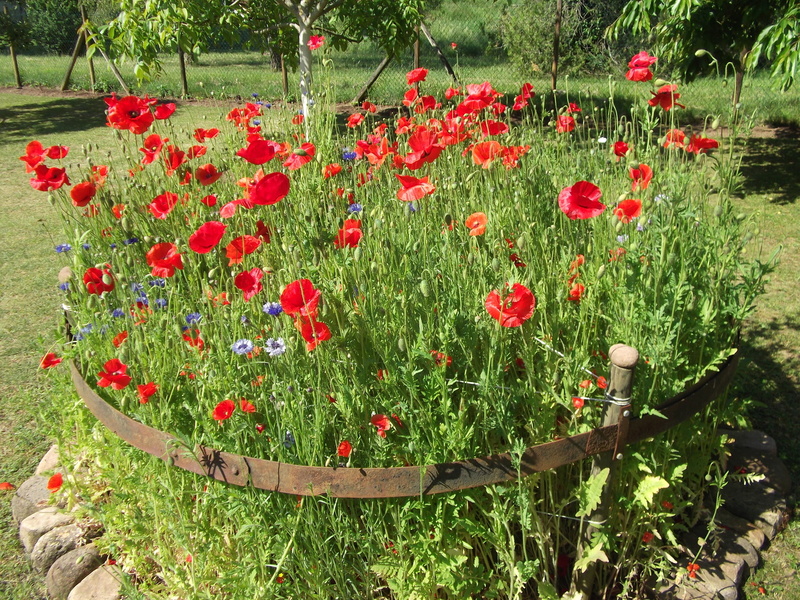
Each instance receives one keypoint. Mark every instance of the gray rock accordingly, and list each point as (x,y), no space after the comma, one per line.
(30,497)
(70,569)
(104,583)
(743,527)
(54,544)
(746,460)
(763,506)
(751,439)
(36,525)
(49,461)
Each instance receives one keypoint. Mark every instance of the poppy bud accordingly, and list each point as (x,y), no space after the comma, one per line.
(718,210)
(600,271)
(51,199)
(300,152)
(495,264)
(423,287)
(619,226)
(521,242)
(212,273)
(660,82)
(741,217)
(700,53)
(129,261)
(589,248)
(715,123)
(357,253)
(373,266)
(107,279)
(401,344)
(448,219)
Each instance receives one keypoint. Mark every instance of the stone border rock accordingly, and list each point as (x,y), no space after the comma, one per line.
(752,516)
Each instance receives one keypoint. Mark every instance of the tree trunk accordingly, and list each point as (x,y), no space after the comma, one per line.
(304,35)
(556,42)
(739,79)
(362,95)
(184,81)
(15,66)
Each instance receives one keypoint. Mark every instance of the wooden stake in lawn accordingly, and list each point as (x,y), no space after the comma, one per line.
(92,78)
(556,43)
(184,82)
(72,61)
(362,95)
(616,411)
(447,67)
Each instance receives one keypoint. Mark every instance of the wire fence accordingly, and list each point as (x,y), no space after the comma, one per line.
(460,42)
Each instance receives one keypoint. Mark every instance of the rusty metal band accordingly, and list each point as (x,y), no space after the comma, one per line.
(397,482)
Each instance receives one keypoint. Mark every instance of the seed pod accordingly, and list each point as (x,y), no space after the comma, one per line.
(424,288)
(448,219)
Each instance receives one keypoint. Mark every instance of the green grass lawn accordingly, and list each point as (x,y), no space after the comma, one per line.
(29,307)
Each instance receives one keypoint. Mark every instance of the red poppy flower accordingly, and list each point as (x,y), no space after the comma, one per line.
(647,537)
(210,200)
(270,189)
(344,449)
(207,174)
(621,149)
(329,171)
(513,310)
(98,281)
(641,177)
(512,154)
(410,97)
(207,237)
(194,339)
(164,111)
(601,382)
(196,152)
(300,156)
(627,210)
(692,568)
(476,223)
(146,391)
(413,188)
(240,247)
(224,410)
(301,298)
(485,153)
(201,135)
(416,75)
(492,127)
(639,67)
(700,145)
(315,41)
(114,375)
(82,193)
(163,259)
(581,200)
(577,402)
(249,282)
(119,339)
(675,137)
(48,178)
(355,120)
(34,155)
(174,159)
(151,148)
(565,123)
(441,359)
(451,93)
(55,482)
(576,292)
(666,97)
(382,423)
(50,360)
(349,235)
(313,332)
(130,113)
(258,152)
(163,204)
(263,231)
(6,487)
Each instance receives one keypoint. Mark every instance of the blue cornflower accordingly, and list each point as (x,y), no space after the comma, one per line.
(193,318)
(275,347)
(273,308)
(288,440)
(136,287)
(161,302)
(87,329)
(63,248)
(266,104)
(254,94)
(64,287)
(130,241)
(256,121)
(157,282)
(411,207)
(86,246)
(242,347)
(117,313)
(348,154)
(621,239)
(355,207)
(112,246)
(142,299)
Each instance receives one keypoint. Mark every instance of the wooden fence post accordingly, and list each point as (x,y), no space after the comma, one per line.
(184,81)
(14,64)
(284,78)
(616,412)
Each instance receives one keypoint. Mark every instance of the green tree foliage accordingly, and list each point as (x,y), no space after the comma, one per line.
(13,27)
(734,32)
(527,33)
(53,24)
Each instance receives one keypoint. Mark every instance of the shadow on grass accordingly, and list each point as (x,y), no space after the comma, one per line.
(768,375)
(50,116)
(771,166)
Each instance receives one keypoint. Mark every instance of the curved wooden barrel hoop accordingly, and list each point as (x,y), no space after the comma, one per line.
(397,482)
